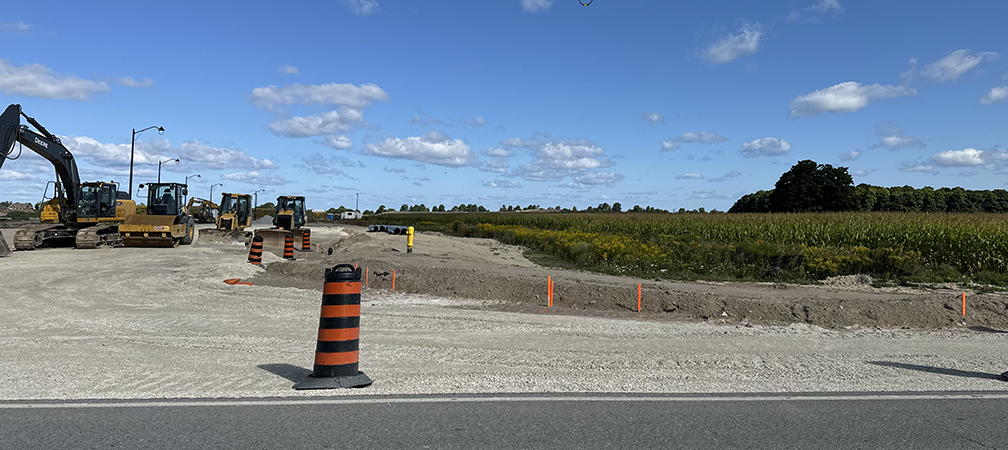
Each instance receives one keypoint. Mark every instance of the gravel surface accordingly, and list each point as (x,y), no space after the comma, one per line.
(158,323)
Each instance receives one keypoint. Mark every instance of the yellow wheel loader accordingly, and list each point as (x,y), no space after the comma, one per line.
(289,218)
(167,222)
(233,216)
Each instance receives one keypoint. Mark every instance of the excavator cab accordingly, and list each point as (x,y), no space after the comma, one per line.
(102,202)
(290,212)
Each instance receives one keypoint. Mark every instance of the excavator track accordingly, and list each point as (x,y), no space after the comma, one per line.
(40,236)
(99,236)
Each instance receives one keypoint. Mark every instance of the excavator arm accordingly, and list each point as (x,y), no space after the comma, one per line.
(47,146)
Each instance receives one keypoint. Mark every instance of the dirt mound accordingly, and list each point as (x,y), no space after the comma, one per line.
(264,221)
(483,269)
(213,236)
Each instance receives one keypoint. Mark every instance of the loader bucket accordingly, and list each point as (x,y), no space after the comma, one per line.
(273,239)
(4,249)
(151,231)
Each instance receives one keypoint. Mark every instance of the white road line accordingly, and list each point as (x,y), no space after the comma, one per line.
(503,399)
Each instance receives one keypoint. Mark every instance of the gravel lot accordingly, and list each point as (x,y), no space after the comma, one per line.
(156,323)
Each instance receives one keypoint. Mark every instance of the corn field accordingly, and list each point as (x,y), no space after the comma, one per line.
(771,247)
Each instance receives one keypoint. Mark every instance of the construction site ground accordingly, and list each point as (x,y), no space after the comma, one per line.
(467,316)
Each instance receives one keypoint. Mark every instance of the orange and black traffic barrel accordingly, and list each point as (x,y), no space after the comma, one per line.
(289,247)
(305,240)
(255,252)
(337,349)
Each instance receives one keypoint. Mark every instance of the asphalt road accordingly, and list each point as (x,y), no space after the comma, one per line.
(807,421)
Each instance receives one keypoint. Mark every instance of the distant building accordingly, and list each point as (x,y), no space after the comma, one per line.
(26,207)
(351,215)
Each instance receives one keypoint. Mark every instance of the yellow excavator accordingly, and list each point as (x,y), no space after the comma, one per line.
(167,222)
(85,215)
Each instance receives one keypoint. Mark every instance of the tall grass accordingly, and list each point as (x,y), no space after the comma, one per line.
(781,247)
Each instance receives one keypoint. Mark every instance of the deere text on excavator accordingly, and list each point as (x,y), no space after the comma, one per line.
(84,215)
(167,222)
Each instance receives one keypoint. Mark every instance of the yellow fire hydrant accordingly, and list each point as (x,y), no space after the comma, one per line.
(409,240)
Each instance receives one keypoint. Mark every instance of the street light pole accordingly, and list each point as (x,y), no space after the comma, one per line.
(255,202)
(358,202)
(159,167)
(133,143)
(211,190)
(195,175)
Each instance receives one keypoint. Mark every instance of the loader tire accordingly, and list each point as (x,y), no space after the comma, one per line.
(190,231)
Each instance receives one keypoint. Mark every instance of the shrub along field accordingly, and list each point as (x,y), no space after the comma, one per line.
(800,248)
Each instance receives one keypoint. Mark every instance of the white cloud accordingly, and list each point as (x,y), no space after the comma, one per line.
(725,177)
(434,148)
(289,70)
(893,138)
(689,176)
(130,82)
(708,195)
(395,169)
(502,184)
(220,158)
(495,165)
(338,142)
(533,6)
(274,99)
(41,82)
(852,155)
(496,152)
(594,179)
(957,63)
(329,166)
(765,147)
(363,7)
(731,47)
(105,155)
(845,97)
(916,166)
(703,137)
(318,125)
(998,94)
(17,27)
(816,12)
(959,158)
(256,178)
(859,173)
(653,118)
(9,175)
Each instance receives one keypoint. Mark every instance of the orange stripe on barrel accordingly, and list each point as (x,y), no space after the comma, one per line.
(341,288)
(338,334)
(336,359)
(340,310)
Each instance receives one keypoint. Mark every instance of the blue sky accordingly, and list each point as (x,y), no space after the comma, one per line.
(651,102)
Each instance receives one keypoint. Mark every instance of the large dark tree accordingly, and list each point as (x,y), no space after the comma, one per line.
(811,187)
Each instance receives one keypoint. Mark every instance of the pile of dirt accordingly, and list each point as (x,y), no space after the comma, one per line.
(498,274)
(264,221)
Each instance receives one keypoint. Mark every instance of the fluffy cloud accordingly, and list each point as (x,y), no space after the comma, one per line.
(17,27)
(708,195)
(534,6)
(959,158)
(338,142)
(765,147)
(274,99)
(689,176)
(852,155)
(106,155)
(41,82)
(318,125)
(289,70)
(329,166)
(957,63)
(9,175)
(502,184)
(130,82)
(816,12)
(594,179)
(363,7)
(731,47)
(653,118)
(703,137)
(893,138)
(555,160)
(998,94)
(725,177)
(844,98)
(256,178)
(220,158)
(496,152)
(434,148)
(916,166)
